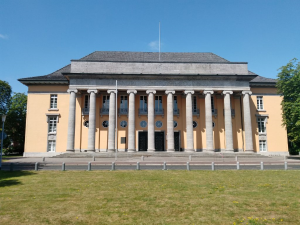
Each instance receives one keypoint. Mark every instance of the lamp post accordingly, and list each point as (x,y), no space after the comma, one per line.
(2,136)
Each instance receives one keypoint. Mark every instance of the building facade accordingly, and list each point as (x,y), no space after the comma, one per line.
(143,101)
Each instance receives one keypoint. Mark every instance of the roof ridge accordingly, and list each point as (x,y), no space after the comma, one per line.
(57,70)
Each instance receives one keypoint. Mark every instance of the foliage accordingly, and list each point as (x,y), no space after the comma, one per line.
(16,121)
(289,86)
(5,93)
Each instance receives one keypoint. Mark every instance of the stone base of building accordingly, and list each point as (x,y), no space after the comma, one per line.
(42,154)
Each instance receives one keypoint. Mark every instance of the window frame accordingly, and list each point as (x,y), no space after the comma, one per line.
(259,103)
(261,124)
(144,100)
(105,101)
(263,146)
(52,124)
(124,98)
(54,102)
(159,98)
(51,145)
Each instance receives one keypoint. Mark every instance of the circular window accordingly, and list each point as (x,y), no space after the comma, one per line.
(158,124)
(86,123)
(195,124)
(123,123)
(213,124)
(175,123)
(143,123)
(105,123)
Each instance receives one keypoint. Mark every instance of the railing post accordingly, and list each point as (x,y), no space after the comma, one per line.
(89,166)
(113,166)
(36,166)
(63,167)
(137,166)
(165,166)
(212,166)
(237,165)
(188,166)
(261,165)
(285,165)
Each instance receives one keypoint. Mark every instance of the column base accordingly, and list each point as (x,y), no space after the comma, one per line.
(70,150)
(249,150)
(170,150)
(90,150)
(227,150)
(131,150)
(189,150)
(208,150)
(111,150)
(150,150)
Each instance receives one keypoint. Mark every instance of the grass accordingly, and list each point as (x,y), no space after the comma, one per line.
(150,197)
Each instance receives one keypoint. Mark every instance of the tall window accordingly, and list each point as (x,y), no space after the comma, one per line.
(175,103)
(86,101)
(53,101)
(158,103)
(260,104)
(194,104)
(52,124)
(143,103)
(261,125)
(124,102)
(106,101)
(262,146)
(212,103)
(51,146)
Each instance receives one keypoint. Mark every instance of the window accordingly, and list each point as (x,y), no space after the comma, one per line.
(260,104)
(175,123)
(123,103)
(106,101)
(158,103)
(195,124)
(86,101)
(194,104)
(52,124)
(175,104)
(262,146)
(143,124)
(51,146)
(105,123)
(86,123)
(123,124)
(261,125)
(212,103)
(158,124)
(143,103)
(53,102)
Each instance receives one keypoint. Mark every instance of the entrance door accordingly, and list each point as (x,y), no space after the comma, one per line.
(159,141)
(176,141)
(143,141)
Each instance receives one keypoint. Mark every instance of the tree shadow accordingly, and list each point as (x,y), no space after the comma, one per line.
(7,177)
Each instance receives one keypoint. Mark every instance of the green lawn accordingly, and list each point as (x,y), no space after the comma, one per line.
(150,197)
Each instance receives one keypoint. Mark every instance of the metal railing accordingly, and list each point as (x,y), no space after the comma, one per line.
(143,111)
(123,111)
(104,111)
(196,112)
(158,111)
(176,112)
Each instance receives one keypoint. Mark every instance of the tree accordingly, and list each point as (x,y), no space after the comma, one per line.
(5,94)
(289,87)
(16,121)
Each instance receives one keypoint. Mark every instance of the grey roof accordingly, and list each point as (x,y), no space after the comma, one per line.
(142,57)
(111,56)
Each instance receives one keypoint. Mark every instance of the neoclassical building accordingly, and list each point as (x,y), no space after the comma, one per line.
(146,101)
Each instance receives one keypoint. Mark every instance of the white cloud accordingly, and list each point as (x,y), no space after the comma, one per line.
(2,36)
(154,45)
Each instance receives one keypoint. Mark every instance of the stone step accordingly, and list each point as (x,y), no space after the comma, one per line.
(159,154)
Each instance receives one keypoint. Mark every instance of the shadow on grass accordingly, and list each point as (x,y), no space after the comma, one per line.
(7,178)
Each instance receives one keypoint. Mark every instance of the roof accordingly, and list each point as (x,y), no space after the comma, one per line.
(114,56)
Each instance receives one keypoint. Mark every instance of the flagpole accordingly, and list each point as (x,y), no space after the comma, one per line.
(116,116)
(159,40)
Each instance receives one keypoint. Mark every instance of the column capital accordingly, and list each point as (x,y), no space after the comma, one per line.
(227,92)
(131,91)
(170,92)
(111,91)
(92,90)
(72,90)
(246,92)
(208,92)
(189,92)
(151,91)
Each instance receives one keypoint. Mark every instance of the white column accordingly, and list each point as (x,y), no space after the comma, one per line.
(71,122)
(112,120)
(151,131)
(228,122)
(189,122)
(131,121)
(247,121)
(92,121)
(170,121)
(208,121)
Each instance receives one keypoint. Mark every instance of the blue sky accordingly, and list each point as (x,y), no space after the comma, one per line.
(38,37)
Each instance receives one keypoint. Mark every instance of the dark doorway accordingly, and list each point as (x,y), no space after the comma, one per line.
(159,141)
(143,141)
(176,141)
